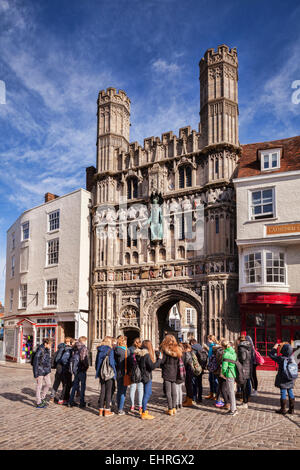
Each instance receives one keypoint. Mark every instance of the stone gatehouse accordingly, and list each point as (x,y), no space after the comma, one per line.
(163,215)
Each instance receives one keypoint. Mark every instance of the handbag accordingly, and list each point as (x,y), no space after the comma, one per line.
(127,380)
(258,358)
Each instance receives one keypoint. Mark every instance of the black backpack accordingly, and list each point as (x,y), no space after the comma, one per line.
(202,357)
(135,373)
(57,357)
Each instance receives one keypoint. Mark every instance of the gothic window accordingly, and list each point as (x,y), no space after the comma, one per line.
(135,257)
(132,188)
(185,176)
(181,228)
(127,258)
(217,166)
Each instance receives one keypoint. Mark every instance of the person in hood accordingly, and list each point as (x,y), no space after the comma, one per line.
(42,372)
(148,363)
(79,364)
(170,362)
(105,349)
(285,384)
(244,354)
(188,364)
(136,352)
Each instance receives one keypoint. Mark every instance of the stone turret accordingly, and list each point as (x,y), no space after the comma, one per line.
(113,128)
(219,97)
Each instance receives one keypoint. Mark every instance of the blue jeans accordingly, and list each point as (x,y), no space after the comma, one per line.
(80,378)
(283,393)
(197,387)
(140,388)
(121,393)
(213,382)
(147,394)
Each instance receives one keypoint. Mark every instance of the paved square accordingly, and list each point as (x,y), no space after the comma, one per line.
(203,427)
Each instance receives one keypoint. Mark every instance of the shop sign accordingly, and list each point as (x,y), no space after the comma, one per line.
(284,228)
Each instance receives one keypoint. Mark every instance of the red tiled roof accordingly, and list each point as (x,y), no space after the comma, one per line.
(249,164)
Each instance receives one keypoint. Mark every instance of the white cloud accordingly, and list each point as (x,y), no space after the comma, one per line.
(162,66)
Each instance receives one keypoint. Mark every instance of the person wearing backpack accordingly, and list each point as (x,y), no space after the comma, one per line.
(169,364)
(213,382)
(57,364)
(202,356)
(79,364)
(244,355)
(286,375)
(229,372)
(106,372)
(148,363)
(121,357)
(218,352)
(188,364)
(135,373)
(41,367)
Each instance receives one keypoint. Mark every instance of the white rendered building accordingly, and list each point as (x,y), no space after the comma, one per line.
(47,274)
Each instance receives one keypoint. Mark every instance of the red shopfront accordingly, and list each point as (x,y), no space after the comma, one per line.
(269,318)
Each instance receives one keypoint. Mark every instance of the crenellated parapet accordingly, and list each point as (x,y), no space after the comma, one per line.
(111,95)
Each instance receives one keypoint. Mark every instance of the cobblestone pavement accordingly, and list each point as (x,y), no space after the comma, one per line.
(202,427)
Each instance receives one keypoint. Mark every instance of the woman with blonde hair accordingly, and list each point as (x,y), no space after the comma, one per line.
(148,363)
(170,364)
(121,356)
(105,350)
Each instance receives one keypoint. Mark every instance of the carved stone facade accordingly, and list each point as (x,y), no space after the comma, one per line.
(136,278)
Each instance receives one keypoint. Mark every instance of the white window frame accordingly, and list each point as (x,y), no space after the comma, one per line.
(251,217)
(255,270)
(48,253)
(54,219)
(269,153)
(189,311)
(264,250)
(22,296)
(24,224)
(47,304)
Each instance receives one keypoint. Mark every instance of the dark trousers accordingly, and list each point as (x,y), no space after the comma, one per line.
(213,383)
(222,390)
(79,379)
(105,393)
(171,393)
(245,392)
(67,384)
(189,383)
(197,387)
(58,378)
(254,377)
(147,394)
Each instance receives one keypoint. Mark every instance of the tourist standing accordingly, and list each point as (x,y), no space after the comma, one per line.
(188,363)
(42,371)
(244,357)
(229,372)
(106,372)
(121,357)
(202,356)
(284,380)
(213,382)
(136,352)
(79,364)
(169,364)
(148,362)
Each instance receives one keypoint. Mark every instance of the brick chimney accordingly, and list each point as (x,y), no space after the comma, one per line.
(50,197)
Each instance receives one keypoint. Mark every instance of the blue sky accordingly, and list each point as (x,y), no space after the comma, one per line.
(56,56)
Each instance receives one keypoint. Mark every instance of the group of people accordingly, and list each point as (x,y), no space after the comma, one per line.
(231,368)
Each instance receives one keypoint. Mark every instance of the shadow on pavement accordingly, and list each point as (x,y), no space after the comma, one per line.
(17,397)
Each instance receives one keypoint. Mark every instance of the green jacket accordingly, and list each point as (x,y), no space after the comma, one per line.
(229,369)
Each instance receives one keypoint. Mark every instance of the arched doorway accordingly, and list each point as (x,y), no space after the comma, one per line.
(131,334)
(157,308)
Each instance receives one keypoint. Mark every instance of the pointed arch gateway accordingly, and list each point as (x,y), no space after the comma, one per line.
(156,308)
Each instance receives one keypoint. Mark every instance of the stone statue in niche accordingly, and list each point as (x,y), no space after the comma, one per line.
(155,220)
(186,204)
(122,214)
(174,206)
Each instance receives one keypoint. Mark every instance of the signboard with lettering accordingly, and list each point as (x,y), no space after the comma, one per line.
(284,228)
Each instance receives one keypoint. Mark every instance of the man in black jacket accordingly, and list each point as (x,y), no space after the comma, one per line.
(244,356)
(42,372)
(202,356)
